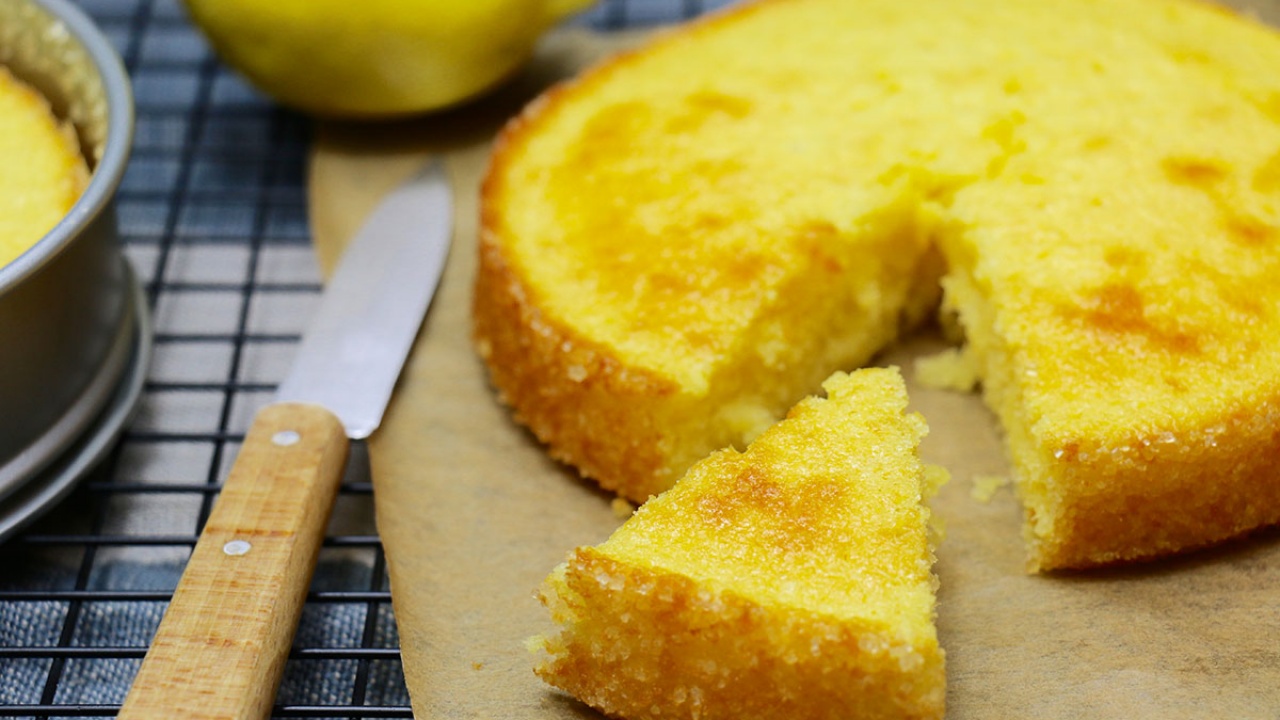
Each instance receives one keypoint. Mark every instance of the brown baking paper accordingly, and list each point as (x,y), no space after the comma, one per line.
(473,514)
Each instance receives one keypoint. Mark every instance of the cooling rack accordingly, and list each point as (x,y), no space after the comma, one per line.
(212,213)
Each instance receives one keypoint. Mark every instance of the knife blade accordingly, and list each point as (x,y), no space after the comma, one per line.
(221,646)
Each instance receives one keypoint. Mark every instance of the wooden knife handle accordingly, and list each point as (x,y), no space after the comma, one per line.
(221,647)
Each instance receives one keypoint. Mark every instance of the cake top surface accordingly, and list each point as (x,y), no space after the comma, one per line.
(822,512)
(1109,170)
(42,174)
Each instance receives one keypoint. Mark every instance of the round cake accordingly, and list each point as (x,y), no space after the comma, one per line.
(42,173)
(684,241)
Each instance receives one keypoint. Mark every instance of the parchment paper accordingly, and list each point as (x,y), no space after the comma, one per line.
(473,514)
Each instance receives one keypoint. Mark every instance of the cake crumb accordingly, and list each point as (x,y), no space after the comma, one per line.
(935,476)
(986,486)
(621,508)
(950,369)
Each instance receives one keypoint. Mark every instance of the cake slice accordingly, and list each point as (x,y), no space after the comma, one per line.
(791,580)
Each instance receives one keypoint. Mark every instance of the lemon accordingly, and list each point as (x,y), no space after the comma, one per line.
(375,58)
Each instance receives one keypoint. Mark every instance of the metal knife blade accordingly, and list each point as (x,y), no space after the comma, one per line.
(368,317)
(221,647)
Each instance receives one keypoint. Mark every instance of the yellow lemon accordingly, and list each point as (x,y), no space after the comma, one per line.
(376,58)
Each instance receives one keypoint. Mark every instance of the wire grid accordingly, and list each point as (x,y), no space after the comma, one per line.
(212,212)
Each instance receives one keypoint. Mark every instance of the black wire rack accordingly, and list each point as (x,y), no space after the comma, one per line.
(212,213)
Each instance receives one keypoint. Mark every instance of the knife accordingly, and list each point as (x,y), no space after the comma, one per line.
(221,646)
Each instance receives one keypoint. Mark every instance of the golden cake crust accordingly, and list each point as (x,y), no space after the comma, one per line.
(741,654)
(1116,513)
(533,362)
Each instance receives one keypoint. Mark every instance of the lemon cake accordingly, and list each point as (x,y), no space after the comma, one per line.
(792,579)
(42,172)
(680,243)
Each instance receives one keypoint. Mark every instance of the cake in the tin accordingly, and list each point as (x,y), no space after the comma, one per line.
(684,240)
(789,580)
(42,172)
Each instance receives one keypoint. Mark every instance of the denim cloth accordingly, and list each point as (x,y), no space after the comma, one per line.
(129,624)
(212,214)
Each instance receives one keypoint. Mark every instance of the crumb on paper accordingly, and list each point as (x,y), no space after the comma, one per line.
(986,486)
(622,508)
(950,369)
(935,476)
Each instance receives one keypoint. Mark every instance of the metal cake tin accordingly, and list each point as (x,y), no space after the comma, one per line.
(74,337)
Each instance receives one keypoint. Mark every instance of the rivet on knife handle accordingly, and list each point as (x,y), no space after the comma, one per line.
(220,650)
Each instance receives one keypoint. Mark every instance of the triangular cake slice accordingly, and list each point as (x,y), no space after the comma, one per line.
(789,580)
